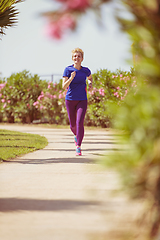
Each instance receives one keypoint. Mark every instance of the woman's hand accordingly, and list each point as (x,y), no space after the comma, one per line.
(67,81)
(73,74)
(90,80)
(90,86)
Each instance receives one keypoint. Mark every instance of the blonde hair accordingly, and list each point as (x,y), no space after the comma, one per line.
(77,50)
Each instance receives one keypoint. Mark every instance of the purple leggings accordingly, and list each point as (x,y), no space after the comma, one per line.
(76,113)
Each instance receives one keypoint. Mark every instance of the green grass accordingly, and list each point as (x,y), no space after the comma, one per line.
(13,144)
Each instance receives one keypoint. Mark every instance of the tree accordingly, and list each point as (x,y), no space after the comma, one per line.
(8,14)
(66,18)
(139,115)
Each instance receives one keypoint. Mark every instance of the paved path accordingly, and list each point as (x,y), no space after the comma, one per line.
(52,195)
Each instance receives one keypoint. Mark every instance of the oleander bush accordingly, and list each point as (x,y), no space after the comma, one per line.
(17,94)
(139,116)
(51,103)
(1,104)
(108,87)
(26,98)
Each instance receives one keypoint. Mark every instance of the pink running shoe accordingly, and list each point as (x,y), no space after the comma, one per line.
(75,140)
(78,151)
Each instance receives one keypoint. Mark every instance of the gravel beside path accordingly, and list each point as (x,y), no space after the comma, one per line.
(51,194)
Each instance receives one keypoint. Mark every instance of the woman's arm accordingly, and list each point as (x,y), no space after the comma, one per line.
(67,81)
(90,80)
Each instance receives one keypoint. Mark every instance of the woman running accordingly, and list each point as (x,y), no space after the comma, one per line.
(74,80)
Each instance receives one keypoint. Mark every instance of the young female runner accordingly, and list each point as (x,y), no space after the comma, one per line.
(74,79)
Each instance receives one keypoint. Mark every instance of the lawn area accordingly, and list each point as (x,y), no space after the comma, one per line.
(13,144)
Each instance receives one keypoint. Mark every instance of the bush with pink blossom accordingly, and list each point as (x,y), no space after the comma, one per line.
(65,18)
(51,103)
(17,95)
(26,98)
(108,87)
(2,85)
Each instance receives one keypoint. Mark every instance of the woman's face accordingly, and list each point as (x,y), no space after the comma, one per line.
(77,57)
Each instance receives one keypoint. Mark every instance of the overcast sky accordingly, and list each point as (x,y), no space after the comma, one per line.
(27,47)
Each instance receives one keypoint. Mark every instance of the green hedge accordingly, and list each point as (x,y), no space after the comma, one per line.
(18,93)
(26,98)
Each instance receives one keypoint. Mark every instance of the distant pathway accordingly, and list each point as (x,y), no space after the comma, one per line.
(52,195)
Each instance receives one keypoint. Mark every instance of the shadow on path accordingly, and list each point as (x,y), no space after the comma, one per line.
(22,204)
(52,160)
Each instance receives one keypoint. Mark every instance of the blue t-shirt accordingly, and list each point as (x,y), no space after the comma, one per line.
(77,88)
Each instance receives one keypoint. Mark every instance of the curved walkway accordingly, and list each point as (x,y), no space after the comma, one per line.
(52,195)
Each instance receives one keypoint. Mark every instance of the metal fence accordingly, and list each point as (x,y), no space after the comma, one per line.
(55,77)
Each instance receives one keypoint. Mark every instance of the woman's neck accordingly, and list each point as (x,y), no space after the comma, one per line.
(77,66)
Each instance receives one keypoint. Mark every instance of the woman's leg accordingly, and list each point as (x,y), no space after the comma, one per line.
(81,111)
(71,110)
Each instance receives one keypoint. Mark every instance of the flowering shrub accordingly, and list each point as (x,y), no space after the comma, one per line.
(51,103)
(139,114)
(17,94)
(108,88)
(76,4)
(2,85)
(26,98)
(65,18)
(55,29)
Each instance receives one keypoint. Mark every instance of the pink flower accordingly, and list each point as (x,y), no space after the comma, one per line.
(0,94)
(41,107)
(49,86)
(4,105)
(9,101)
(60,96)
(56,29)
(121,75)
(76,4)
(92,92)
(2,85)
(3,100)
(114,76)
(50,96)
(67,21)
(116,94)
(35,103)
(53,30)
(101,91)
(95,89)
(10,87)
(40,97)
(118,88)
(126,91)
(29,105)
